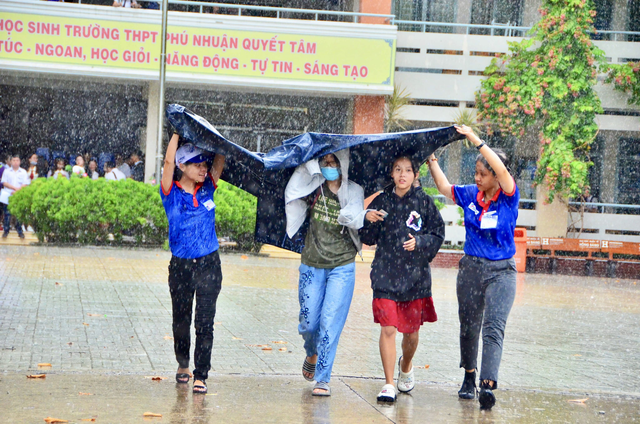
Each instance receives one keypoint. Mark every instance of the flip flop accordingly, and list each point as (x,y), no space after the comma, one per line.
(310,368)
(200,388)
(182,377)
(322,386)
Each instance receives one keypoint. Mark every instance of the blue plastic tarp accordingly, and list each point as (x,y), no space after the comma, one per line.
(266,175)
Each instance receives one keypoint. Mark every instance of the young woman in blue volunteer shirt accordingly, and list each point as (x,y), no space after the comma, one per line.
(195,264)
(405,224)
(486,285)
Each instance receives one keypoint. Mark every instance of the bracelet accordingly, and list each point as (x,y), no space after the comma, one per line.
(479,146)
(432,160)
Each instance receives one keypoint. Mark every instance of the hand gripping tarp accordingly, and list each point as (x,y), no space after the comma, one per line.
(266,175)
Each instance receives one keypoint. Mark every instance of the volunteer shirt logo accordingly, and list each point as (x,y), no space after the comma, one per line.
(414,221)
(472,206)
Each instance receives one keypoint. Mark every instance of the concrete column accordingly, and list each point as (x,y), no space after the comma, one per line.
(153,97)
(454,162)
(609,178)
(619,19)
(552,219)
(530,13)
(368,115)
(382,7)
(463,15)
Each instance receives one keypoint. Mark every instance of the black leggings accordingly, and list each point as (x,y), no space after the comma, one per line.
(202,277)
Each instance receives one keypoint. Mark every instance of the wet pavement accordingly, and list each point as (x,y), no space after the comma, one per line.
(102,318)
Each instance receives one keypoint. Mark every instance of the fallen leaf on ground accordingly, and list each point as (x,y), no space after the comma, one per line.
(54,420)
(577,354)
(84,323)
(280,342)
(94,315)
(283,349)
(244,257)
(578,400)
(58,284)
(70,343)
(44,364)
(93,420)
(168,338)
(37,376)
(426,367)
(158,378)
(151,414)
(85,394)
(267,348)
(236,338)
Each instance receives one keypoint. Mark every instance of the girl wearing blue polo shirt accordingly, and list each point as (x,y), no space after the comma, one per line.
(195,264)
(486,285)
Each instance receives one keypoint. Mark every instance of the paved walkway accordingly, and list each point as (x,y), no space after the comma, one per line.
(98,311)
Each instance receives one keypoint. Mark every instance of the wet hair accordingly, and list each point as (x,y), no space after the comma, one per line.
(15,155)
(414,164)
(110,164)
(501,154)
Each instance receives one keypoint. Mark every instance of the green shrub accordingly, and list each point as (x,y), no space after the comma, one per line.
(236,215)
(87,211)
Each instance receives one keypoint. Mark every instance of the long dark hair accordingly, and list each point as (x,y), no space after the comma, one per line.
(501,154)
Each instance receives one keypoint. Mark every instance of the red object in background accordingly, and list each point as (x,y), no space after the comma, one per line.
(520,237)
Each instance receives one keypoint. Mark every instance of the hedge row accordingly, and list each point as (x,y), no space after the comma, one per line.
(86,211)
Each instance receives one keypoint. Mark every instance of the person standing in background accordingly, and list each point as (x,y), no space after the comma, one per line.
(33,171)
(137,166)
(123,166)
(13,179)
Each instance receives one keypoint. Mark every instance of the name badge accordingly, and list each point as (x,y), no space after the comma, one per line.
(489,220)
(209,204)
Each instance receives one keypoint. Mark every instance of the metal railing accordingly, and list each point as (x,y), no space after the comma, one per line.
(507,29)
(493,29)
(590,205)
(280,12)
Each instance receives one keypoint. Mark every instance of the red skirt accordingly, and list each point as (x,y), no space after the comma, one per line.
(407,317)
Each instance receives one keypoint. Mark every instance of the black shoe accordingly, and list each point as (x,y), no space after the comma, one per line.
(486,397)
(468,389)
(21,235)
(5,235)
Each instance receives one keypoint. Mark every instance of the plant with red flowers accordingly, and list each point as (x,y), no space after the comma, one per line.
(626,78)
(548,80)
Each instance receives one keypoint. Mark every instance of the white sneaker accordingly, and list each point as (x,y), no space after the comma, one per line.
(406,382)
(388,393)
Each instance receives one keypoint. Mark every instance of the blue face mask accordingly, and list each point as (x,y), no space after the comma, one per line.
(331,174)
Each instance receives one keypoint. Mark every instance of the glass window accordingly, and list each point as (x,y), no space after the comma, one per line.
(425,11)
(487,12)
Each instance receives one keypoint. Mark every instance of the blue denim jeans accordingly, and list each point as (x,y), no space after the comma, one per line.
(325,297)
(7,220)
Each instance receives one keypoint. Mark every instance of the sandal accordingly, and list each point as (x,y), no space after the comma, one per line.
(182,377)
(321,385)
(309,368)
(406,382)
(387,394)
(200,388)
